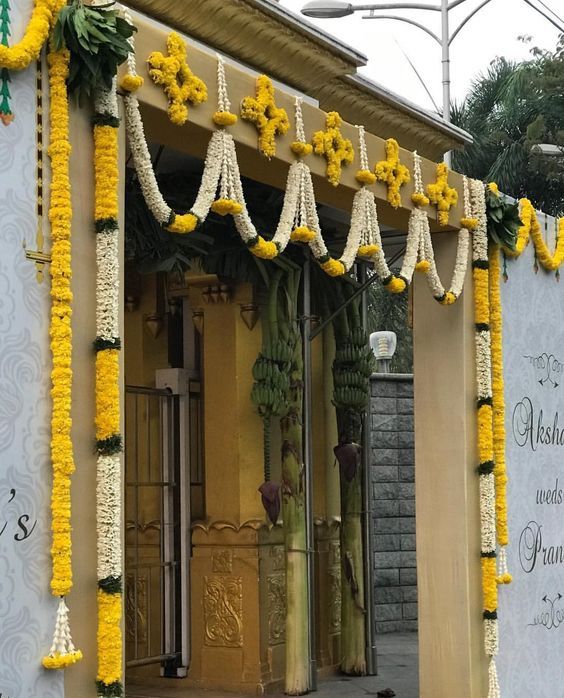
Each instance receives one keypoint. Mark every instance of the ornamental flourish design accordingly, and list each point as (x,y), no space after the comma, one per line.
(276,609)
(223,611)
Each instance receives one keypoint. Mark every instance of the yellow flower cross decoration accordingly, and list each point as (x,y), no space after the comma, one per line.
(269,119)
(440,194)
(334,147)
(178,81)
(392,172)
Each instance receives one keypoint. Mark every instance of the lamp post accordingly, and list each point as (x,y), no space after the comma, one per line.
(331,9)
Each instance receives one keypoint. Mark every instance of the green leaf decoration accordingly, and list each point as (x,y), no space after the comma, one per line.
(97,39)
(503,220)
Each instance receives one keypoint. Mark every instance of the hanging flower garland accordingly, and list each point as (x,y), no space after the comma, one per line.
(486,466)
(108,439)
(427,257)
(531,229)
(62,652)
(179,83)
(498,406)
(21,55)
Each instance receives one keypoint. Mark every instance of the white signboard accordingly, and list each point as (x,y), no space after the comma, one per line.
(531,609)
(27,610)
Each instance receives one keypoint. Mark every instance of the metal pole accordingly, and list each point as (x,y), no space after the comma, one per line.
(308,461)
(371,655)
(446,68)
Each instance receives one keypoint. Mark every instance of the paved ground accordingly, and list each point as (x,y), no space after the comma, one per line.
(397,670)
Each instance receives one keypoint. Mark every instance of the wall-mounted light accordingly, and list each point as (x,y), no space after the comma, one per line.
(383,345)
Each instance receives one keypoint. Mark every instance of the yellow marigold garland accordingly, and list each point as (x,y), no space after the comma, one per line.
(531,229)
(392,172)
(62,652)
(21,55)
(500,471)
(270,120)
(107,418)
(179,83)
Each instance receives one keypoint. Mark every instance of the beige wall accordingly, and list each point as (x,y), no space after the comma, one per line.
(451,655)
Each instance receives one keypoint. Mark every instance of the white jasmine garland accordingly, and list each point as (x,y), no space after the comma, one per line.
(107,284)
(108,520)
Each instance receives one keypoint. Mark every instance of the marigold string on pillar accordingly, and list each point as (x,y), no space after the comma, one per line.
(108,439)
(62,652)
(498,405)
(480,267)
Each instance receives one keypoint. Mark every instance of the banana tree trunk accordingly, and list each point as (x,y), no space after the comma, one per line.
(353,655)
(293,513)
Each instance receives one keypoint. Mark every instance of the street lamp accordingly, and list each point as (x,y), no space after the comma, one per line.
(331,9)
(548,150)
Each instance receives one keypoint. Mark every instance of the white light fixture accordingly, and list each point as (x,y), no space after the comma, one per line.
(383,345)
(327,9)
(548,150)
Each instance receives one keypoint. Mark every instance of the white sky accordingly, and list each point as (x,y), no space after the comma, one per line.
(494,31)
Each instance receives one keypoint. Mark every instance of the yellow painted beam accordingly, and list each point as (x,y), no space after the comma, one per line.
(192,138)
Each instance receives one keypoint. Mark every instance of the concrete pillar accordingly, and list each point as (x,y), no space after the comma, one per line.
(451,655)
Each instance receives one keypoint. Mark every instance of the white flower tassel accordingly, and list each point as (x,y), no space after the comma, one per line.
(504,577)
(494,690)
(300,130)
(63,652)
(223,103)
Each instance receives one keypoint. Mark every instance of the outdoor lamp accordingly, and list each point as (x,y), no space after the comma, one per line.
(548,150)
(383,345)
(327,9)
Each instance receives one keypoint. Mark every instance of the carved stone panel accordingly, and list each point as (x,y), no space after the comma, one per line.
(276,609)
(223,611)
(278,558)
(222,561)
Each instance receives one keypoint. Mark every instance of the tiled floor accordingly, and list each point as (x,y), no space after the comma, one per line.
(397,667)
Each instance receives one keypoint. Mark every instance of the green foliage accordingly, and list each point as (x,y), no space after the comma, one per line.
(509,109)
(503,220)
(98,41)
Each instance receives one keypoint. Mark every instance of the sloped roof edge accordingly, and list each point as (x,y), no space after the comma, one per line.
(403,104)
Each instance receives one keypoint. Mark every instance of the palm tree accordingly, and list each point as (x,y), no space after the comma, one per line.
(509,109)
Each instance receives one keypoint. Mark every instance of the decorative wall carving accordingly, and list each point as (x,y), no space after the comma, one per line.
(223,611)
(278,558)
(276,608)
(222,561)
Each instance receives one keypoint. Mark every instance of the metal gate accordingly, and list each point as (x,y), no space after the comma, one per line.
(156,504)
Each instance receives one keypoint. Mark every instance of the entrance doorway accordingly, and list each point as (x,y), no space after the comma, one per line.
(162,468)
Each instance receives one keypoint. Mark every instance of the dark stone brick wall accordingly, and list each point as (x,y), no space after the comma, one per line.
(392,467)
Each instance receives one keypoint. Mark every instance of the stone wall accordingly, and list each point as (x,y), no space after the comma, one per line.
(392,466)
